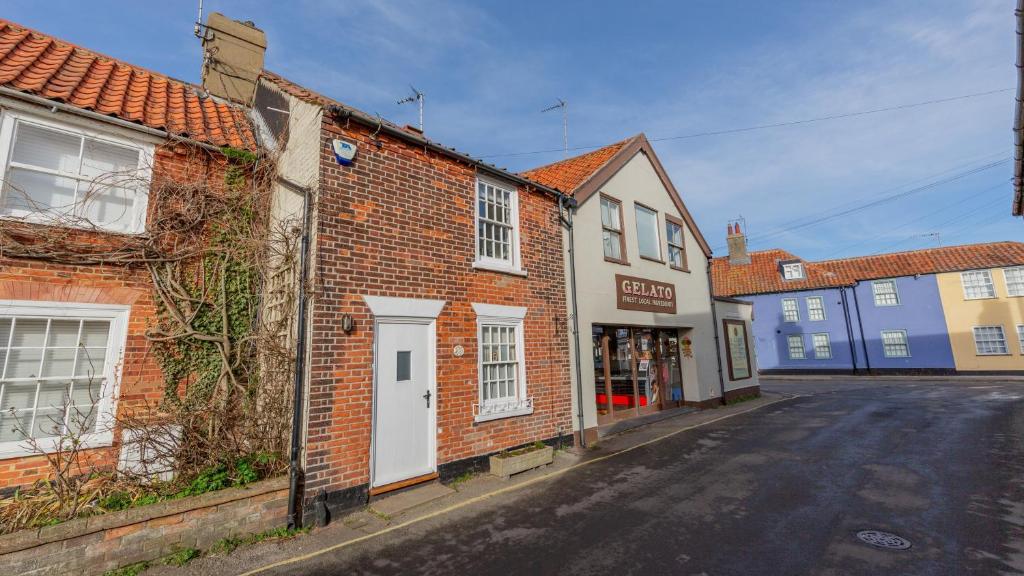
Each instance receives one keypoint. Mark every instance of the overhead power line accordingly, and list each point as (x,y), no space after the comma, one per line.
(828,117)
(879,201)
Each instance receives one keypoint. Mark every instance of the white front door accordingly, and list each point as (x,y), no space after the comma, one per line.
(404,402)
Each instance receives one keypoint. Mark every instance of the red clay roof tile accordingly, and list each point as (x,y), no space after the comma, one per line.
(763,275)
(567,175)
(43,66)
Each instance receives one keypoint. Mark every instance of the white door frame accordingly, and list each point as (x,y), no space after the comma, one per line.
(387,310)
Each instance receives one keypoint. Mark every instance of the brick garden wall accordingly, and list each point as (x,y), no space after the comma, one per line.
(399,222)
(141,378)
(93,545)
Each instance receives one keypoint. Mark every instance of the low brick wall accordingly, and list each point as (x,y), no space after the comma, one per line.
(93,545)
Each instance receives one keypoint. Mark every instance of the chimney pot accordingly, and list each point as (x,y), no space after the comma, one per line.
(737,245)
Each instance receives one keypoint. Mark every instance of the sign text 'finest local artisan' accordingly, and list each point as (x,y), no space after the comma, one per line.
(645,295)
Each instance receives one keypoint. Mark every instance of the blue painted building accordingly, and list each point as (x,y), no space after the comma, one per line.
(876,314)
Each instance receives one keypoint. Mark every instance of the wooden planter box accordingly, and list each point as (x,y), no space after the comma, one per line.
(505,465)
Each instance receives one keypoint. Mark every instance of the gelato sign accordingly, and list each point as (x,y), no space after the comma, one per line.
(644,295)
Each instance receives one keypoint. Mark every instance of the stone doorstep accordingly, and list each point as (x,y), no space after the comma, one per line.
(408,499)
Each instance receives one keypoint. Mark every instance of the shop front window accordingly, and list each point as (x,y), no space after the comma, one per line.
(636,370)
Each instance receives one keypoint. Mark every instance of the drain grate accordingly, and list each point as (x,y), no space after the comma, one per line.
(886,540)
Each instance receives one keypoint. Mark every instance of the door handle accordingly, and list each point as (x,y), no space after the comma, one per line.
(427,398)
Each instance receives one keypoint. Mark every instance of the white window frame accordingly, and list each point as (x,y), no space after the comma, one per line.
(10,120)
(511,316)
(895,292)
(789,347)
(1019,282)
(905,343)
(977,349)
(795,310)
(793,271)
(637,207)
(821,308)
(828,345)
(513,265)
(1020,337)
(107,404)
(985,274)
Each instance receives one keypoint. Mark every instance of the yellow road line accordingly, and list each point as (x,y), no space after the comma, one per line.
(504,490)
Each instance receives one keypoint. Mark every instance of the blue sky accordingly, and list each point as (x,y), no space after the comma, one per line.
(665,69)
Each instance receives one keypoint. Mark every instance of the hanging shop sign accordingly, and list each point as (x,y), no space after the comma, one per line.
(633,293)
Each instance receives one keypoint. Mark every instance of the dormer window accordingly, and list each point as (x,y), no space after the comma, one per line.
(793,271)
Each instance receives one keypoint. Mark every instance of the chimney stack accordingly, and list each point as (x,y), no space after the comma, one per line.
(232,58)
(737,242)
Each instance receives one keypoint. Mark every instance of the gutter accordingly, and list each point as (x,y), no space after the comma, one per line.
(294,471)
(340,111)
(54,105)
(570,205)
(714,322)
(1018,121)
(849,328)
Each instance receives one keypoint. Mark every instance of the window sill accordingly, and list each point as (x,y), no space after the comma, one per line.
(36,219)
(650,259)
(614,261)
(524,408)
(19,449)
(981,298)
(500,269)
(996,354)
(687,270)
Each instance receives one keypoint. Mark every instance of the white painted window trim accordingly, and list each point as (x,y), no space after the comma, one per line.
(796,308)
(906,343)
(1020,337)
(895,291)
(118,316)
(492,315)
(789,348)
(797,267)
(991,282)
(481,262)
(146,149)
(978,352)
(824,315)
(1006,281)
(828,343)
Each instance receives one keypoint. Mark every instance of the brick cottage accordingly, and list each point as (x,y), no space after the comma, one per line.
(438,312)
(69,325)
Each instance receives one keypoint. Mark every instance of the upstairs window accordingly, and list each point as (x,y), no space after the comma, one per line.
(675,239)
(793,271)
(647,233)
(990,341)
(1014,281)
(815,308)
(497,225)
(611,230)
(55,174)
(977,284)
(790,311)
(885,293)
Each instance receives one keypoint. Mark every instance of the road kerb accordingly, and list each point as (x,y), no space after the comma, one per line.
(504,490)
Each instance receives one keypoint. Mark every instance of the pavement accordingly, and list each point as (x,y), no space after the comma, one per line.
(780,485)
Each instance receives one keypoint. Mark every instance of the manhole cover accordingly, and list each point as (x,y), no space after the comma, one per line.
(881,539)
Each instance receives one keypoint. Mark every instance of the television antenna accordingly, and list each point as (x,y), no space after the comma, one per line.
(936,235)
(417,97)
(565,122)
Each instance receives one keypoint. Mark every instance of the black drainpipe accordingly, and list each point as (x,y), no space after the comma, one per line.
(570,207)
(294,514)
(849,328)
(860,326)
(718,343)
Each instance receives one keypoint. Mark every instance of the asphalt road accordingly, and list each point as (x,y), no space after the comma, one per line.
(781,490)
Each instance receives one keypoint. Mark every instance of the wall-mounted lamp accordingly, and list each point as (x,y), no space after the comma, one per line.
(347,324)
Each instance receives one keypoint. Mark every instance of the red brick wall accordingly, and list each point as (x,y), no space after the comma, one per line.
(141,379)
(399,223)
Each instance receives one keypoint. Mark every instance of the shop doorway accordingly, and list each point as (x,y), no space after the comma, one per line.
(637,371)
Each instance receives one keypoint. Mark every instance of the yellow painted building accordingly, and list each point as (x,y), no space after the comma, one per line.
(985,317)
